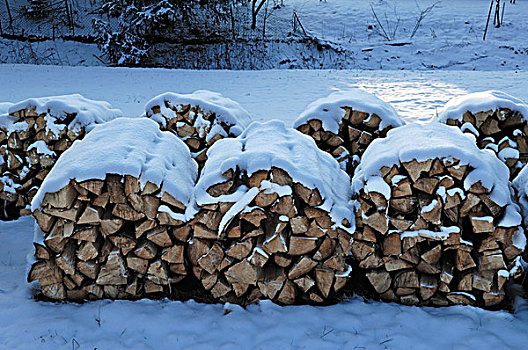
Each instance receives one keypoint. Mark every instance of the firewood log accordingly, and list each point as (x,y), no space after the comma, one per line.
(345,123)
(114,255)
(199,119)
(116,236)
(497,120)
(33,136)
(277,241)
(453,242)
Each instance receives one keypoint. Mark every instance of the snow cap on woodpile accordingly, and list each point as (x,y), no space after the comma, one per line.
(4,107)
(430,141)
(520,184)
(126,146)
(330,109)
(480,102)
(84,112)
(6,121)
(226,110)
(265,145)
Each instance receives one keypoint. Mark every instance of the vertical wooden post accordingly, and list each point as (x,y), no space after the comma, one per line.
(497,20)
(487,22)
(502,15)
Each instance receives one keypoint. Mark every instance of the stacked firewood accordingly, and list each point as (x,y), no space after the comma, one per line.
(520,186)
(497,120)
(438,230)
(33,136)
(270,226)
(199,119)
(114,235)
(345,123)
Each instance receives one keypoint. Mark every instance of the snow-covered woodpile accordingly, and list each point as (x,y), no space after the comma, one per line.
(497,120)
(345,123)
(274,219)
(33,134)
(199,119)
(436,224)
(110,215)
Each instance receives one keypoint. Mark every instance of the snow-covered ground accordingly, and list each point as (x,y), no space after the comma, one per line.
(449,37)
(353,324)
(416,95)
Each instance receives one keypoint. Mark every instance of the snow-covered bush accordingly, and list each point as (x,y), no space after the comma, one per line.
(143,23)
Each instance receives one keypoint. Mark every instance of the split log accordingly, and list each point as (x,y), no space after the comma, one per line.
(273,242)
(115,236)
(451,244)
(498,122)
(33,136)
(199,119)
(345,123)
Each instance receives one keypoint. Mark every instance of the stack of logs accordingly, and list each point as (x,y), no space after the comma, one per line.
(197,127)
(357,129)
(31,143)
(280,246)
(24,164)
(433,242)
(502,130)
(109,238)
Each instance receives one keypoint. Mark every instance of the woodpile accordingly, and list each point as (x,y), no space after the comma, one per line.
(261,232)
(117,236)
(199,119)
(33,136)
(520,186)
(497,120)
(344,124)
(440,230)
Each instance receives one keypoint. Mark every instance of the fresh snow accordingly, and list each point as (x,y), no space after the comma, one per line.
(416,95)
(481,102)
(441,235)
(423,142)
(88,113)
(272,144)
(329,109)
(4,107)
(520,184)
(126,146)
(41,147)
(226,110)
